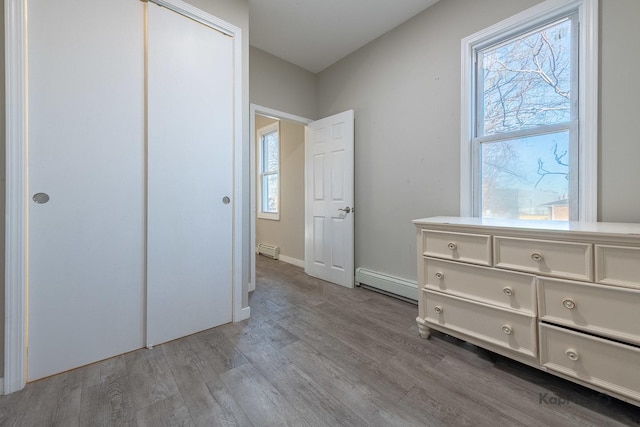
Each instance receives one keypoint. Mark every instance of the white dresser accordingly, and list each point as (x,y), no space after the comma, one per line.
(560,296)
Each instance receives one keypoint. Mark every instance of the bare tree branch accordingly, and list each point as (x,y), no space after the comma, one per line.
(558,157)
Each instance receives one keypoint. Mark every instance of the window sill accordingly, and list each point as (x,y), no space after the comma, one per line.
(269,216)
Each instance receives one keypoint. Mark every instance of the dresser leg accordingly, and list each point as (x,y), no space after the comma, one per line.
(423,330)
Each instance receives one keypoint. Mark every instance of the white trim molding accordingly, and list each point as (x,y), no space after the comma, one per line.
(198,15)
(269,112)
(245,313)
(587,95)
(15,344)
(293,261)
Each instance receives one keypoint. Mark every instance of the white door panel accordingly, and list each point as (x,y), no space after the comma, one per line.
(86,151)
(190,166)
(329,219)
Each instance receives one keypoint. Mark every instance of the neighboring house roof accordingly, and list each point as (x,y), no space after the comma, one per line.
(562,202)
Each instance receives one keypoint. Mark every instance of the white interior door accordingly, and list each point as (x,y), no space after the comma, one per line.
(190,167)
(329,216)
(86,153)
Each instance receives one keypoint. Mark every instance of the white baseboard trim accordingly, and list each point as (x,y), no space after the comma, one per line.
(395,285)
(293,261)
(243,315)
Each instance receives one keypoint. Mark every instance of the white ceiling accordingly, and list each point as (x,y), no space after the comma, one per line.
(315,34)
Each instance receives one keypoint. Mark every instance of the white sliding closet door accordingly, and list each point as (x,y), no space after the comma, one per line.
(190,166)
(86,153)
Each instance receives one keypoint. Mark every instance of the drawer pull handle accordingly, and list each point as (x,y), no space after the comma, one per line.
(439,275)
(569,303)
(438,309)
(537,257)
(508,291)
(572,354)
(507,329)
(452,246)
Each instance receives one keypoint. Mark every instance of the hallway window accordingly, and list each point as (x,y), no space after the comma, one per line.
(269,172)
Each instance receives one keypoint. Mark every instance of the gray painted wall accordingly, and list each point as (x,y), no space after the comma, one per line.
(405,90)
(281,85)
(288,232)
(619,151)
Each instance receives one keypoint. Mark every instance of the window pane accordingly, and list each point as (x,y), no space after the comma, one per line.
(526,82)
(270,185)
(526,178)
(270,152)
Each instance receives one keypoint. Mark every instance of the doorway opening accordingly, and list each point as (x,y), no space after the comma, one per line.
(286,229)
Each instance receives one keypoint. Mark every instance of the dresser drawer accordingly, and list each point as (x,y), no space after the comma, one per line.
(498,287)
(618,265)
(597,309)
(472,248)
(500,327)
(607,364)
(568,260)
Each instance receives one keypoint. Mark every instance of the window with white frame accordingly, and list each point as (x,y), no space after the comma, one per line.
(528,148)
(268,140)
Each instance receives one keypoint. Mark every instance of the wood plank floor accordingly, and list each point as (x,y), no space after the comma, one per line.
(312,354)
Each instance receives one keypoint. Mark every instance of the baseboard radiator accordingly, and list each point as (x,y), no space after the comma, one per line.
(268,250)
(393,286)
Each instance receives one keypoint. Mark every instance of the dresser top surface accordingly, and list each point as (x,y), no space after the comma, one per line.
(614,228)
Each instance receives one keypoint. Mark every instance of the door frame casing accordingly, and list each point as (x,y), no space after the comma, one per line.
(16,214)
(15,339)
(269,112)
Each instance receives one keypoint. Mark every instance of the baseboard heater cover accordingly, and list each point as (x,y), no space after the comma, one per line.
(268,250)
(405,289)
